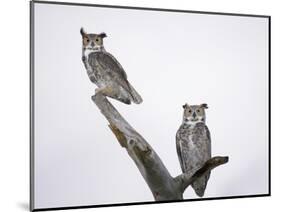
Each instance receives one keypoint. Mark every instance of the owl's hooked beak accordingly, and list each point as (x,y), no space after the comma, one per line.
(194,115)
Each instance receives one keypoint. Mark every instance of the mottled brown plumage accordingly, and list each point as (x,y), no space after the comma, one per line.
(193,143)
(105,71)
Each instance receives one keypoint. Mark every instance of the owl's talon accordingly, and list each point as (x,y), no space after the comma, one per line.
(97,90)
(100,91)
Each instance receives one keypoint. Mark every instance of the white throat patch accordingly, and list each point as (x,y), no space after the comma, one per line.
(193,123)
(88,51)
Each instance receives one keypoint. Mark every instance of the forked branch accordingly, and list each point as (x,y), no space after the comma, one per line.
(162,185)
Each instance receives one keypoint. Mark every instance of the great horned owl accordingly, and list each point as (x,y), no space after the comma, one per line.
(105,71)
(193,143)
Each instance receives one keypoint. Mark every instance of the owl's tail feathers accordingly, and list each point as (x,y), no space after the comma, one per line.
(200,185)
(136,98)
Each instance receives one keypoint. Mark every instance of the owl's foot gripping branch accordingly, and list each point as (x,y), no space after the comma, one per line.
(163,186)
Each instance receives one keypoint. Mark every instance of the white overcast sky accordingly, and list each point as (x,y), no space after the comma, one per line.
(170,58)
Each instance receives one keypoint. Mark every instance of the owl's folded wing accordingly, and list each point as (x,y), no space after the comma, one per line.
(208,140)
(182,149)
(108,62)
(110,66)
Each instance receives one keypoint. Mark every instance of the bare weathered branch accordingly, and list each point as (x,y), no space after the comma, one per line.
(187,179)
(119,135)
(162,185)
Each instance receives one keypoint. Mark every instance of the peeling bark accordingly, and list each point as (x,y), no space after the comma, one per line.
(162,185)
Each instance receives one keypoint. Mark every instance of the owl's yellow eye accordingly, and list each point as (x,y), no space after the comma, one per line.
(88,40)
(198,111)
(189,111)
(97,40)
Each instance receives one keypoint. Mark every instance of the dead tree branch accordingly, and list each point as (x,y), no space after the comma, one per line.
(162,185)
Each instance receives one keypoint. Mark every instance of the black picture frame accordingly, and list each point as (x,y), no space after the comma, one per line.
(31,62)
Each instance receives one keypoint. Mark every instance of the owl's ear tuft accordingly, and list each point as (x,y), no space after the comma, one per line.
(82,32)
(204,105)
(102,35)
(184,106)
